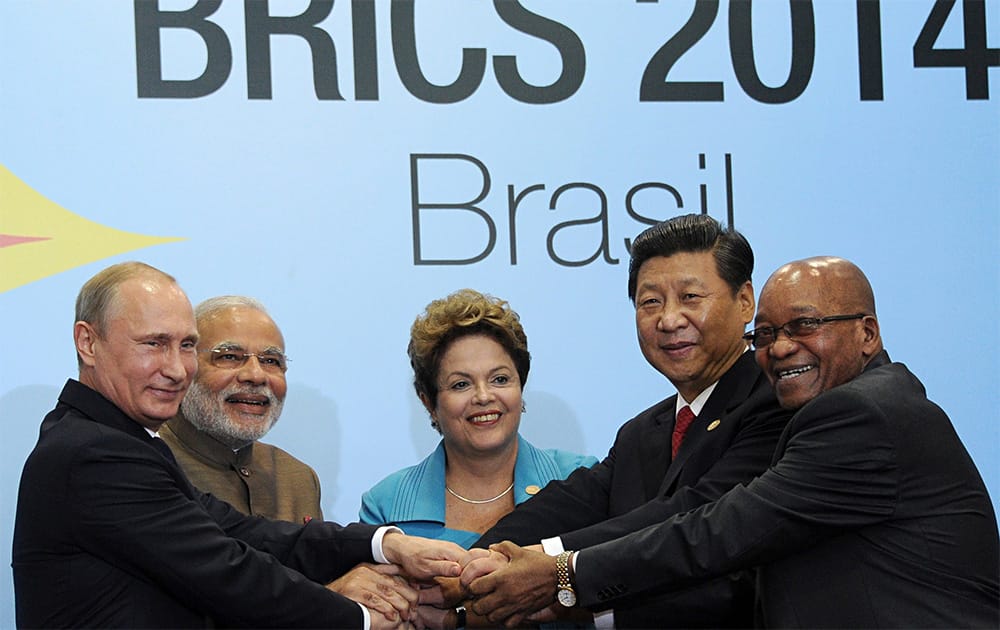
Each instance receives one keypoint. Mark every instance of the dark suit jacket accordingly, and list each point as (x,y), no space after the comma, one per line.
(871,515)
(637,484)
(109,533)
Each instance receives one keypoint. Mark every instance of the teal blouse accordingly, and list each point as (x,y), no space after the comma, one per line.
(413,498)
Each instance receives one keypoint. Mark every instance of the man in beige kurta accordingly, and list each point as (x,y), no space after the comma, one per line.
(234,401)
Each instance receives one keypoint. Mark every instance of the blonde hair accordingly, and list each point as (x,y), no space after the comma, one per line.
(463,313)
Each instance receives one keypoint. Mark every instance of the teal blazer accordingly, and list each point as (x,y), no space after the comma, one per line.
(413,498)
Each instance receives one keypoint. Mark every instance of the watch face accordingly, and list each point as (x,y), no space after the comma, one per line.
(566,597)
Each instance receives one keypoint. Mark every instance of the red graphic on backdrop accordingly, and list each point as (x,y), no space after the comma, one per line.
(6,240)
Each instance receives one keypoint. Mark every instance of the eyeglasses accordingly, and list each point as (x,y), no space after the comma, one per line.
(798,328)
(235,358)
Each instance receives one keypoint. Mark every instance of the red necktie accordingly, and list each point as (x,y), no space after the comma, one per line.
(684,419)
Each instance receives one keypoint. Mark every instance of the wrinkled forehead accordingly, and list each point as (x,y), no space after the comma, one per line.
(153,300)
(795,291)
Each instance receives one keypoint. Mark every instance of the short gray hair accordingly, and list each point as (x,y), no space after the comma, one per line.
(211,306)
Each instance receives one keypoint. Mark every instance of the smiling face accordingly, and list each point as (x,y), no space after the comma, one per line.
(236,405)
(479,397)
(802,368)
(144,358)
(689,323)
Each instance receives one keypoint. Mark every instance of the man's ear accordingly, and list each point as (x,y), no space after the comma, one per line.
(747,305)
(85,338)
(872,341)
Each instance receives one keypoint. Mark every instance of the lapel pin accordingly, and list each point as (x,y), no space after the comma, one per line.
(532,489)
(714,425)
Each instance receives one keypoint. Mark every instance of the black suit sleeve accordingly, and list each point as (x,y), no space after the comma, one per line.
(823,482)
(749,453)
(577,501)
(131,511)
(320,550)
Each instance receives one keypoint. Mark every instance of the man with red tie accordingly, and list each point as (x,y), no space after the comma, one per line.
(871,514)
(689,280)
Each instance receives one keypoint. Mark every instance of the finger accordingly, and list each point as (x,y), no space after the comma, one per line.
(384,569)
(445,568)
(452,591)
(399,596)
(514,621)
(374,603)
(472,620)
(430,549)
(500,612)
(474,554)
(433,596)
(498,608)
(405,590)
(430,617)
(484,606)
(484,585)
(477,569)
(507,548)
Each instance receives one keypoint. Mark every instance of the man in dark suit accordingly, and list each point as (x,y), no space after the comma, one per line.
(110,533)
(872,514)
(689,280)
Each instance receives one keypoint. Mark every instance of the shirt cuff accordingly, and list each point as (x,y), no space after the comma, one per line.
(377,546)
(605,619)
(368,618)
(552,546)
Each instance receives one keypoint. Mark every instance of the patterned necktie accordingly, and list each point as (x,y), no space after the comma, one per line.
(684,419)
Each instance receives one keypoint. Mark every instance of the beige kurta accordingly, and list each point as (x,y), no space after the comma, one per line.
(258,479)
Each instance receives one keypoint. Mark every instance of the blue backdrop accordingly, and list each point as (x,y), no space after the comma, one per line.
(347,163)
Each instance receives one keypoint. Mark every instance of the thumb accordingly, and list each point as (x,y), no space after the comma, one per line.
(443,568)
(507,548)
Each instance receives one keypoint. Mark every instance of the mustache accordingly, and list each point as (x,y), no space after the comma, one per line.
(236,391)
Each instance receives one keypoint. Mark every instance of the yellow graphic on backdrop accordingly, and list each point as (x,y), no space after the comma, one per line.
(38,238)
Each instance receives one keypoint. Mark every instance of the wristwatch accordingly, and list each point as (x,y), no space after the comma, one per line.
(565,593)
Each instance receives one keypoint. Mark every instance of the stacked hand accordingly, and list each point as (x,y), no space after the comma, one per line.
(423,558)
(512,584)
(396,593)
(381,588)
(504,585)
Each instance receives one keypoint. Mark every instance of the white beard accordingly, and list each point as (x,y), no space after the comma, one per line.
(205,409)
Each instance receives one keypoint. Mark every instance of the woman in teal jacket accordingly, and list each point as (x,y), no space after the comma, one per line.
(470,362)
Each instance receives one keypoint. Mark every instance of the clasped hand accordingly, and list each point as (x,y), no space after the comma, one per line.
(505,585)
(396,593)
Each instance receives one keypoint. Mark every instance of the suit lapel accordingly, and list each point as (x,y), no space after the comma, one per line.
(734,387)
(654,450)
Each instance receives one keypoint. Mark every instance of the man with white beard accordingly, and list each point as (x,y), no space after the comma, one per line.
(234,401)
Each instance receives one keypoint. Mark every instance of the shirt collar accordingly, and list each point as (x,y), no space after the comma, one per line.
(699,401)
